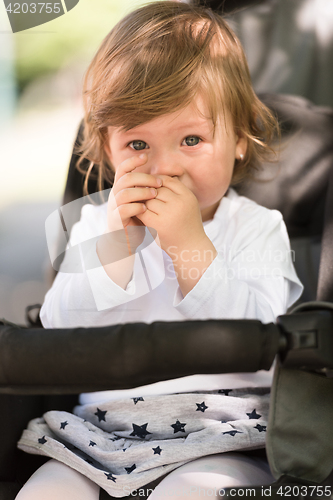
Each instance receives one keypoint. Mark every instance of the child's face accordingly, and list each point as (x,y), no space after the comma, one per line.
(183,144)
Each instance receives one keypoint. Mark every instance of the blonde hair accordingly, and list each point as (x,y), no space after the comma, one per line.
(155,61)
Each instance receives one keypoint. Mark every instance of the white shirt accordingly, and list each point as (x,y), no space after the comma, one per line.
(252,277)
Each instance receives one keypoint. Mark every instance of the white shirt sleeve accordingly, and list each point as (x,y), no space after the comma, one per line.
(77,298)
(216,296)
(252,277)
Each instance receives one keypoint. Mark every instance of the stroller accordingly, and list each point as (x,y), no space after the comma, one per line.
(299,442)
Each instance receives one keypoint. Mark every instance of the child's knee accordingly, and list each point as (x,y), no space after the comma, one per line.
(36,492)
(57,491)
(56,481)
(206,477)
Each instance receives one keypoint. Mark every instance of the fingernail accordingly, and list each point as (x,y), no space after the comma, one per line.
(142,156)
(159,181)
(153,191)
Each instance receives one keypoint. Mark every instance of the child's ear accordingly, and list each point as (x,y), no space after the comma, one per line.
(241,145)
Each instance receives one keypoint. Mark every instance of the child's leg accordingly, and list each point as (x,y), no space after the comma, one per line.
(56,481)
(198,479)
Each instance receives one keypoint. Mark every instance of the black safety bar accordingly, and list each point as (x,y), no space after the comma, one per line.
(68,361)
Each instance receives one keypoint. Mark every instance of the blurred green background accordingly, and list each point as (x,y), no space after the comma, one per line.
(68,39)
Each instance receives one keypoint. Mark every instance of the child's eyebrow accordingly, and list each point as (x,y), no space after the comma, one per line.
(196,123)
(192,124)
(200,122)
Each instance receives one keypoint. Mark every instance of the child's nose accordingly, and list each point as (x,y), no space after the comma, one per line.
(165,165)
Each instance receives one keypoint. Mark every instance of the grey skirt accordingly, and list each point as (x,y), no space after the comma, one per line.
(126,444)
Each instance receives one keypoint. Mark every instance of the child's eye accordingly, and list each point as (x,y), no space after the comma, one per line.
(191,140)
(138,145)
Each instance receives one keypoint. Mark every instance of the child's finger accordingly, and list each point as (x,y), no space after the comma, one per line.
(137,179)
(155,206)
(137,194)
(123,215)
(165,194)
(149,218)
(173,183)
(129,165)
(129,210)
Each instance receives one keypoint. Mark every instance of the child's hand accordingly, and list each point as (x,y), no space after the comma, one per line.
(175,214)
(128,196)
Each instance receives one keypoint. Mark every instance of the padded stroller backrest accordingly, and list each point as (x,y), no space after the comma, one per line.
(296,185)
(299,180)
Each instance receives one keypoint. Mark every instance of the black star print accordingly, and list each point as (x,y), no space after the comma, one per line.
(253,414)
(261,428)
(201,407)
(100,414)
(92,443)
(137,399)
(232,433)
(115,438)
(157,451)
(42,440)
(63,424)
(110,476)
(130,469)
(124,449)
(178,427)
(225,391)
(140,430)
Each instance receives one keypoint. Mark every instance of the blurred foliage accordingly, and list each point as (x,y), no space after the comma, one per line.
(74,36)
